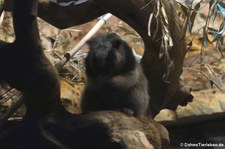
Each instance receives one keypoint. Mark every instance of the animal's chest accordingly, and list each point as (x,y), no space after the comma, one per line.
(109,93)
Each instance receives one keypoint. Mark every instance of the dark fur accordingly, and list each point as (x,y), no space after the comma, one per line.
(115,80)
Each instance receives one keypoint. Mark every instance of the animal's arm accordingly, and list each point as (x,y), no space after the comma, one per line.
(127,80)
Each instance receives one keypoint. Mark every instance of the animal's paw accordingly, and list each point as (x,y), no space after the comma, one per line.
(127,111)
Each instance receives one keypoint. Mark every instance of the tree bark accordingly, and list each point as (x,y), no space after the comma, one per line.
(105,129)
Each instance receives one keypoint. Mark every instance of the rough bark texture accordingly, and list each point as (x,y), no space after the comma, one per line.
(105,130)
(112,128)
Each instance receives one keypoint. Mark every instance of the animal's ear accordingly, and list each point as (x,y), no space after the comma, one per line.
(116,44)
(115,40)
(94,43)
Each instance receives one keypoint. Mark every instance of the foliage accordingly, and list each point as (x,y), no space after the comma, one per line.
(212,31)
(216,9)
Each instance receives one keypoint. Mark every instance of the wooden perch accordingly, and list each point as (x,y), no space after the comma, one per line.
(98,130)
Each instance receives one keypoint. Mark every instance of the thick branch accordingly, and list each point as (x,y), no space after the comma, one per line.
(111,130)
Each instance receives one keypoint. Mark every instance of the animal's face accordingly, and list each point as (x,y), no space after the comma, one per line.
(109,55)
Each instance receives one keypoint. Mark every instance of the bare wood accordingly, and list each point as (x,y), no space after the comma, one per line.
(105,129)
(120,128)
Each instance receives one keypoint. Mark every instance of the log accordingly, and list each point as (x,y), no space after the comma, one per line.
(105,129)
